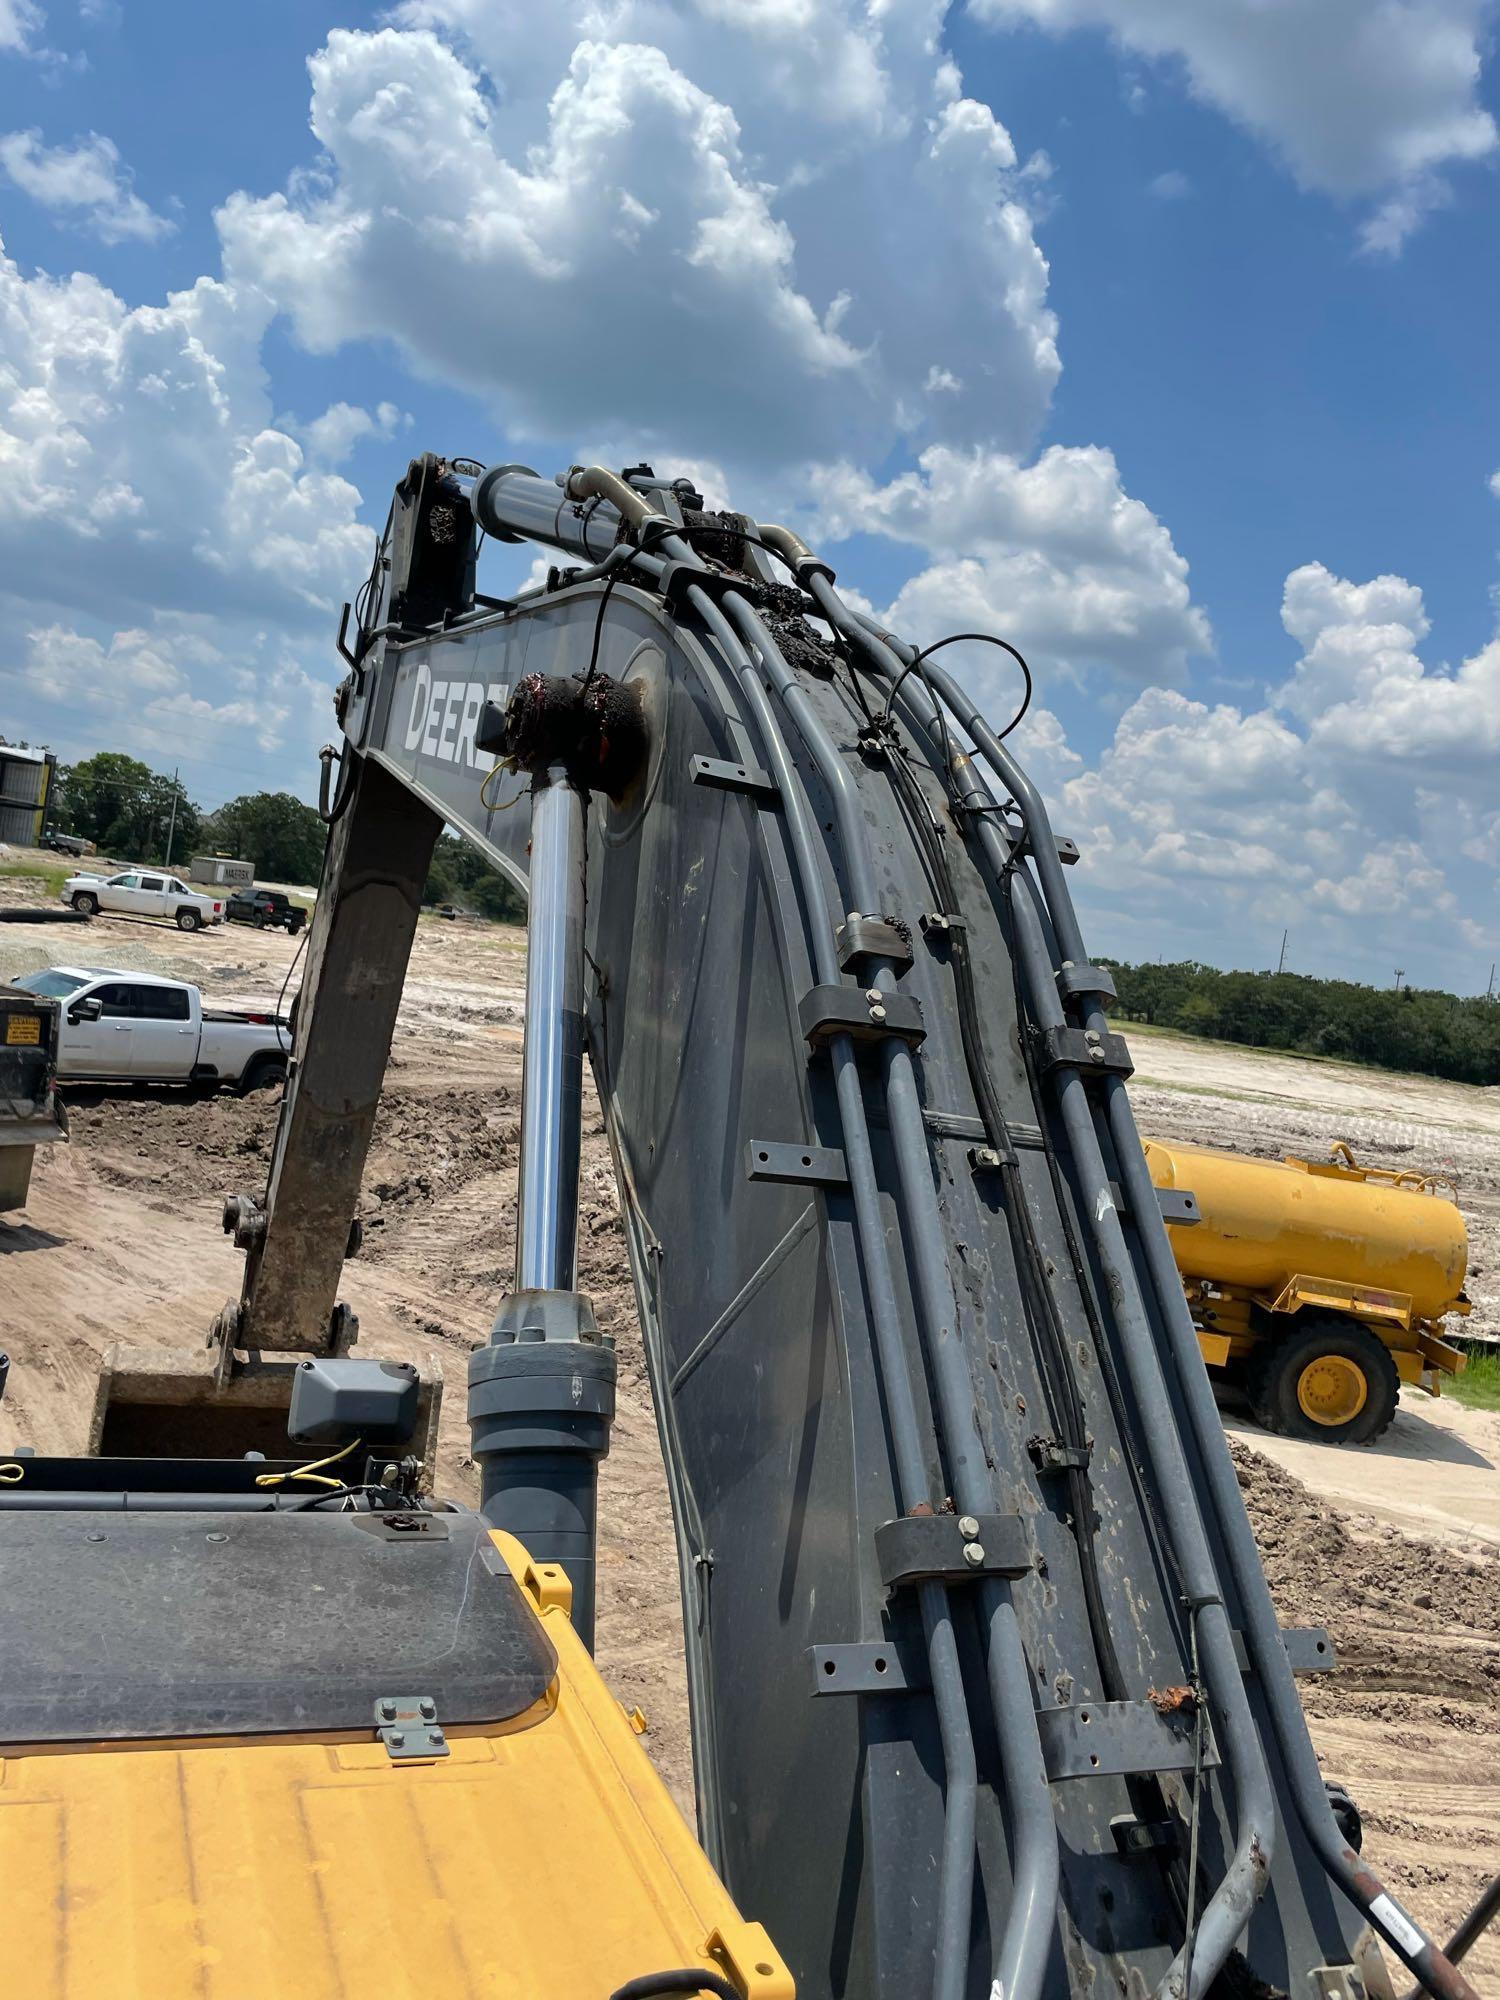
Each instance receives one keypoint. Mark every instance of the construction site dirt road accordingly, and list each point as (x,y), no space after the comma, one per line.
(1395,1550)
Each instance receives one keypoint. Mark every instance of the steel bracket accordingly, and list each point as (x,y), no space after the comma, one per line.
(871,937)
(1135,1839)
(1067,847)
(867,1014)
(1087,1050)
(1309,1650)
(773,1160)
(1178,1206)
(724,775)
(866,1667)
(1051,1456)
(408,1726)
(1116,1739)
(951,1548)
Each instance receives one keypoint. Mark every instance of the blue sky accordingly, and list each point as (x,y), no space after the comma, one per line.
(1158,336)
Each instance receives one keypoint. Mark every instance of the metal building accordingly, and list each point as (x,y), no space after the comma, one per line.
(222,871)
(26,778)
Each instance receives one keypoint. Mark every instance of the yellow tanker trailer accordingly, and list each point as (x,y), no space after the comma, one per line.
(1320,1285)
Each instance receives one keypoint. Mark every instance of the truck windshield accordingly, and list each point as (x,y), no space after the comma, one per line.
(51,985)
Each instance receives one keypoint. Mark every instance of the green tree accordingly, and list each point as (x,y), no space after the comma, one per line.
(126,808)
(460,874)
(282,836)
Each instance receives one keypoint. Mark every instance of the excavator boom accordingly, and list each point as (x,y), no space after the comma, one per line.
(988,1694)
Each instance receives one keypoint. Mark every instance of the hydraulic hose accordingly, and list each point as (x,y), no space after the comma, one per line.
(1229,1909)
(1027,1938)
(912,1478)
(1263,1639)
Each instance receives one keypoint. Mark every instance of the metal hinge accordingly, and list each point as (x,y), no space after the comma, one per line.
(408,1726)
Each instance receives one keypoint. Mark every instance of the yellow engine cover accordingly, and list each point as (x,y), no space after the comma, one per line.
(1266,1222)
(544,1858)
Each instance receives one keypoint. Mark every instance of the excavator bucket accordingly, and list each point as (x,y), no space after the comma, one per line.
(168,1402)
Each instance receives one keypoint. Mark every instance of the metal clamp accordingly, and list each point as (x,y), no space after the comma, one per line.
(1087,1050)
(1078,982)
(408,1726)
(871,937)
(951,1548)
(868,1015)
(1051,1456)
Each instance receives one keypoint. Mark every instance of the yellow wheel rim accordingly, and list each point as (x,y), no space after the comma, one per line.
(1332,1390)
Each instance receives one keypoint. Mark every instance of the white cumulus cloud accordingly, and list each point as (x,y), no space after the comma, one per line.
(1053,555)
(1358,796)
(89,179)
(615,238)
(1359,97)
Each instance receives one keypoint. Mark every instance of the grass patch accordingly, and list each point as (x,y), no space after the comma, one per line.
(52,874)
(1478,1386)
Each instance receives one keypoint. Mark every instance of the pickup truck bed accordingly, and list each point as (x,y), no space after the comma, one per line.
(138,1027)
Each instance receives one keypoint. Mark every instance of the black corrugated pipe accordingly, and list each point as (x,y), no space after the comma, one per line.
(1262,1633)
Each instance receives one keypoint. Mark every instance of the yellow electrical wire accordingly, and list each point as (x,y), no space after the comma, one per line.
(313,1472)
(497,770)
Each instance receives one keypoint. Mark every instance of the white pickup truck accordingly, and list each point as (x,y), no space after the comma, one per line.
(144,892)
(137,1027)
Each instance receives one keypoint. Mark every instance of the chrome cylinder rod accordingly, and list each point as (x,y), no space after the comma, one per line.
(552,1065)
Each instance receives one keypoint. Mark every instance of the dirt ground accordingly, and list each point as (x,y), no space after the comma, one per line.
(121,1241)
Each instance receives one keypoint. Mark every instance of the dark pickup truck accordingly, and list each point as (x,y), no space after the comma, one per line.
(267,909)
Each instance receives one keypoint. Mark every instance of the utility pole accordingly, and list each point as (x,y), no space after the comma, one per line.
(1281,962)
(1489,991)
(1400,975)
(172,822)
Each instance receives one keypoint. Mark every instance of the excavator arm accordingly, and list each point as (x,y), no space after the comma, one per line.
(988,1694)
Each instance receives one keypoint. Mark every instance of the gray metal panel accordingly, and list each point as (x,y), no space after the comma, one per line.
(826,1815)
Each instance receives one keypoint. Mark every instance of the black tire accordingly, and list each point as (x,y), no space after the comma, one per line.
(85,904)
(189,920)
(1285,1385)
(263,921)
(262,1073)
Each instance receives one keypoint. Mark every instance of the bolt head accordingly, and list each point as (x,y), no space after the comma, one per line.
(974,1555)
(872,994)
(428,1708)
(877,1014)
(1096,1055)
(968,1527)
(398,1738)
(388,1711)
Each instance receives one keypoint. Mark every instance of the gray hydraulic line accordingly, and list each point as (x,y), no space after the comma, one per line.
(1229,1909)
(1348,1870)
(1027,1939)
(912,1480)
(552,1057)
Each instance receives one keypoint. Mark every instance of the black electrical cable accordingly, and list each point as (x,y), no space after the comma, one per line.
(683,1979)
(280,998)
(333,1493)
(609,583)
(954,639)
